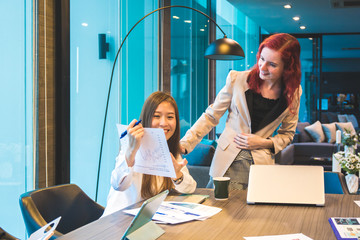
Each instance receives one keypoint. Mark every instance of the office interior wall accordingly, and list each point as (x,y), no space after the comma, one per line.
(89,82)
(16,97)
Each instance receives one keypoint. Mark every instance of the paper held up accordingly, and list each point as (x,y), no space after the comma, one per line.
(153,156)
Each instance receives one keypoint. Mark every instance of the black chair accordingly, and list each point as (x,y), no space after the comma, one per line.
(41,206)
(6,236)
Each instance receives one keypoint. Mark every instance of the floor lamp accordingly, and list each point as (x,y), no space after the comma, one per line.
(220,49)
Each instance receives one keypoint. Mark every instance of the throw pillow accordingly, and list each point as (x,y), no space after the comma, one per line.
(303,136)
(342,118)
(330,132)
(346,125)
(332,117)
(316,132)
(351,118)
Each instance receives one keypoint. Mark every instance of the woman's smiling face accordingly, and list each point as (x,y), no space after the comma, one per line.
(270,65)
(164,117)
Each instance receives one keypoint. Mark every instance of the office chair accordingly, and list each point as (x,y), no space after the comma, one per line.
(41,206)
(335,183)
(6,236)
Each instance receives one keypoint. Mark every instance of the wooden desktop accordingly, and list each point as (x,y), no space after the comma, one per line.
(237,220)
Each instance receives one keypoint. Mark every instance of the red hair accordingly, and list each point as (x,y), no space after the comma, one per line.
(289,48)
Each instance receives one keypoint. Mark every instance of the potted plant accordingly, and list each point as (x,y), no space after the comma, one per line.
(350,141)
(350,162)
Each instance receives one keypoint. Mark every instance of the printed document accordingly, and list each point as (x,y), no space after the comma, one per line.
(153,156)
(178,212)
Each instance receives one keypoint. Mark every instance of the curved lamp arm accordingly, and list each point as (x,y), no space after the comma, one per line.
(215,51)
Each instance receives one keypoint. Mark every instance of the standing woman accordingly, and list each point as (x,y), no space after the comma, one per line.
(258,102)
(128,187)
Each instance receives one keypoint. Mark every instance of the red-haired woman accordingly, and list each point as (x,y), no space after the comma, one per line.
(258,102)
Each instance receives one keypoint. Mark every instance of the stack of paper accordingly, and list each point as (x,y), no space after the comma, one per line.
(179,212)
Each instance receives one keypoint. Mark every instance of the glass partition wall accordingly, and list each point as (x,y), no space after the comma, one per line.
(90,77)
(16,97)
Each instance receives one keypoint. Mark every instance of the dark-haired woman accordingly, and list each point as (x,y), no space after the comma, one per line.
(128,187)
(258,102)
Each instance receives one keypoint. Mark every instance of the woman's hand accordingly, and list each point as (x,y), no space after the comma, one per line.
(135,134)
(178,166)
(182,149)
(251,141)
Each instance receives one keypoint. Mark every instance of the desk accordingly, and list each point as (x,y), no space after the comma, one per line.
(236,220)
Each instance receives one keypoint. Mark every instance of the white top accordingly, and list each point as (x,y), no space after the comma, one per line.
(126,185)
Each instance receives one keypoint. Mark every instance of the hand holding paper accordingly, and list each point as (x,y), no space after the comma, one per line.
(153,156)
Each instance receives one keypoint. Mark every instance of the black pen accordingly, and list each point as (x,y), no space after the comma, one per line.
(125,132)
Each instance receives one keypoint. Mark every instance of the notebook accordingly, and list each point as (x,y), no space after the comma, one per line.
(141,224)
(286,184)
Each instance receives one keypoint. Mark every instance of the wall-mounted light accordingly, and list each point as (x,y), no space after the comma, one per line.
(103,46)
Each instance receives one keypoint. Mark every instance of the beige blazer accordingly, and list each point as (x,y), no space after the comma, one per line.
(232,98)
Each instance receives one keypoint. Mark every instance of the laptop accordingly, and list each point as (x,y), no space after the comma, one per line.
(141,226)
(286,184)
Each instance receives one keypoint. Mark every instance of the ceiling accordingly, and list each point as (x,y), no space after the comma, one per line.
(319,16)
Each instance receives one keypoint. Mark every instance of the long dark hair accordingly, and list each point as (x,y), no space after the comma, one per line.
(289,48)
(149,187)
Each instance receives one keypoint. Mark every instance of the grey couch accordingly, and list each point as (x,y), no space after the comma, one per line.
(304,151)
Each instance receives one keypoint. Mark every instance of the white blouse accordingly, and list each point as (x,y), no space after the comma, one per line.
(126,185)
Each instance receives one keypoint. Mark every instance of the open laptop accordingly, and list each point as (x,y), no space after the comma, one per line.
(142,225)
(286,184)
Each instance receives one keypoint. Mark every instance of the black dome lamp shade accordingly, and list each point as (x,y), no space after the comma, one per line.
(224,49)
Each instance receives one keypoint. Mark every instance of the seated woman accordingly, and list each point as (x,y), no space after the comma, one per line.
(128,187)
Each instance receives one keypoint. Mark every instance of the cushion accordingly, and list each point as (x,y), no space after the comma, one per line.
(201,155)
(351,118)
(316,132)
(303,136)
(209,142)
(346,125)
(330,132)
(332,117)
(342,118)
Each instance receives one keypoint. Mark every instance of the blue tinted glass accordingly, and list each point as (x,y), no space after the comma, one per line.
(90,77)
(16,145)
(189,67)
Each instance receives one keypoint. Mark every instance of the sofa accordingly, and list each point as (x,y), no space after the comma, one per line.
(314,144)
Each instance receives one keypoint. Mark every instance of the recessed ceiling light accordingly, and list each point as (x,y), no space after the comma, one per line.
(176,17)
(287,6)
(202,30)
(84,24)
(310,39)
(296,18)
(187,21)
(302,27)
